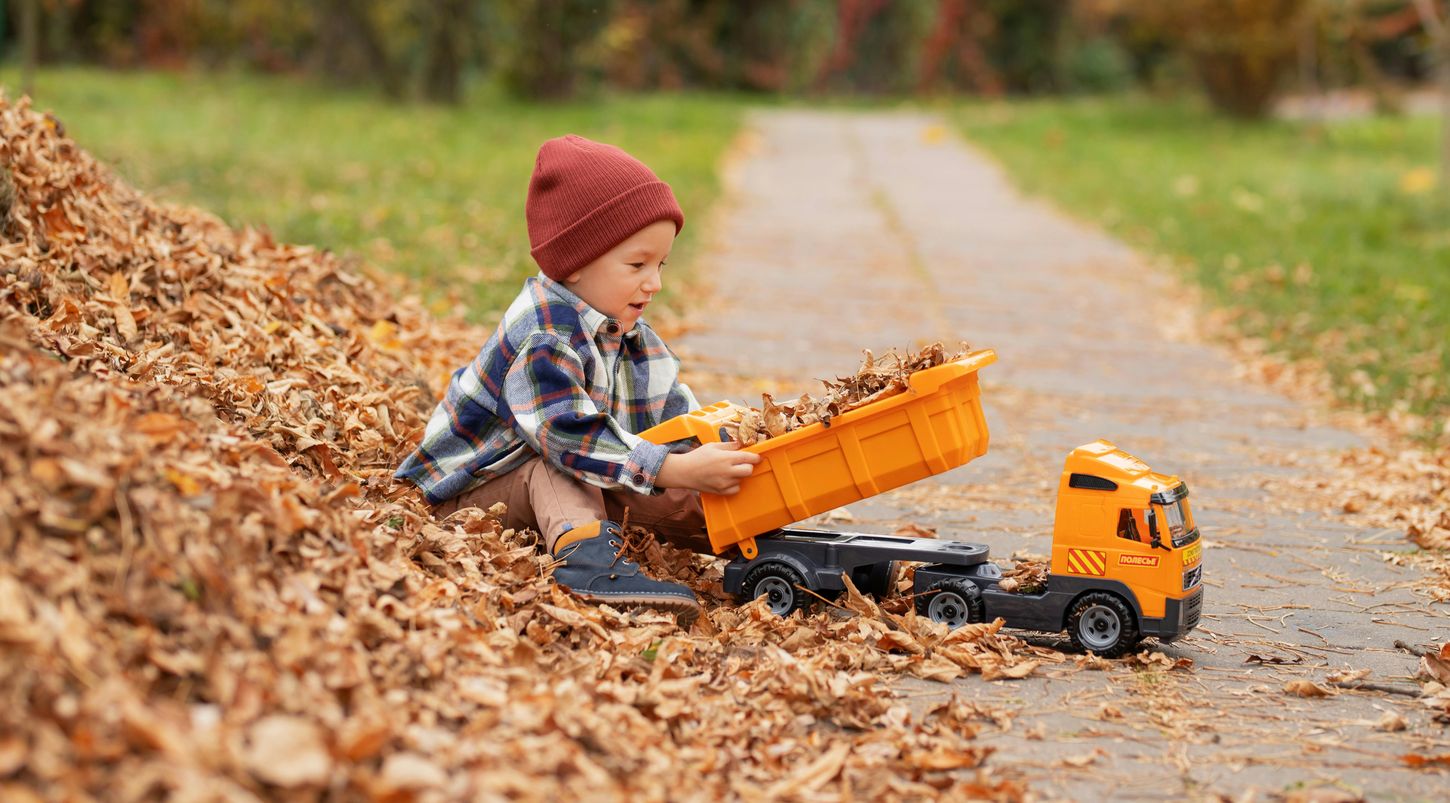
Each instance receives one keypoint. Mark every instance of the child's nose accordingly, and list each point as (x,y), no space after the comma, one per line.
(654,281)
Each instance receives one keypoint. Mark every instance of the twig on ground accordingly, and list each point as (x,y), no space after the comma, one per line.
(1359,685)
(1419,652)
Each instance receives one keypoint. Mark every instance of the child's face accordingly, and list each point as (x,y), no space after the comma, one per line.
(621,283)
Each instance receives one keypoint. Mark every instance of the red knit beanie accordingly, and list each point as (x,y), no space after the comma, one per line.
(586,197)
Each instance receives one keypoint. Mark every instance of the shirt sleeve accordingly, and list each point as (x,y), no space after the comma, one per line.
(680,401)
(546,400)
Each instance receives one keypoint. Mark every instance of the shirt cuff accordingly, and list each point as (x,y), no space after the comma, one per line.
(640,471)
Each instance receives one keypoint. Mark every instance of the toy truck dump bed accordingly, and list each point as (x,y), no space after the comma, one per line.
(936,424)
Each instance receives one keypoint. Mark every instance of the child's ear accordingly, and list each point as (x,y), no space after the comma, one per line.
(573,278)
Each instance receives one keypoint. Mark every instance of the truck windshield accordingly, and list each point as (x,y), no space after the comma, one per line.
(1176,522)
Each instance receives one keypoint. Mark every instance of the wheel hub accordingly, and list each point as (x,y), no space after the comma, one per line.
(778,593)
(1100,627)
(949,608)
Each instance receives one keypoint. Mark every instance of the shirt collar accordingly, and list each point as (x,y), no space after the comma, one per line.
(592,319)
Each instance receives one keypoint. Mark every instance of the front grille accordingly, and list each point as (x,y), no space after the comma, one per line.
(1192,576)
(1192,608)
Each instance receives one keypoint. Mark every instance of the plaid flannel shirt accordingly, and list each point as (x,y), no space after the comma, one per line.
(555,379)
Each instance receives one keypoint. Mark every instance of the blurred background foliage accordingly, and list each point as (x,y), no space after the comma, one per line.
(1240,52)
(1279,151)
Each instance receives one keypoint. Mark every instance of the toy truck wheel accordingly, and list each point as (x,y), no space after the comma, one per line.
(952,602)
(780,584)
(1103,624)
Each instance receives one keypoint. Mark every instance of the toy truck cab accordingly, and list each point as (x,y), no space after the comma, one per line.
(1126,562)
(1124,535)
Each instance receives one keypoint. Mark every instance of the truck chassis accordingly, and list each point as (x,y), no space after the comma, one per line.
(956,584)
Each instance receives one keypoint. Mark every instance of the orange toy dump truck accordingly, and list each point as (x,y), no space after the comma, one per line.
(1126,558)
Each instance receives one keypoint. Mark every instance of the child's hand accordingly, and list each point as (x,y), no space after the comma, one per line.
(715,468)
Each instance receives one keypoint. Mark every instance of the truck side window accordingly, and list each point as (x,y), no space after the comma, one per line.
(1127,526)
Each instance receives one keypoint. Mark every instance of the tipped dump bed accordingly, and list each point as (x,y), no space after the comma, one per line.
(933,426)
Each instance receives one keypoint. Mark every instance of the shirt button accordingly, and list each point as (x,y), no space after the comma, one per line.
(612,328)
(639,479)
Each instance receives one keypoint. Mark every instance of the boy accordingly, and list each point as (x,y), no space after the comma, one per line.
(544,419)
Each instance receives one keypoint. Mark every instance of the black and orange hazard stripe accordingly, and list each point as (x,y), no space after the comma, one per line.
(1087,561)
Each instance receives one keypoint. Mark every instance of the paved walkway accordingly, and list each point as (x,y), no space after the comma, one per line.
(851,230)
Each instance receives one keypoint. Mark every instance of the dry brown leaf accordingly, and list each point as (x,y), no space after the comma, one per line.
(1436,666)
(13,752)
(1419,761)
(1307,688)
(1348,675)
(1391,722)
(914,530)
(814,775)
(410,771)
(1255,658)
(1152,659)
(1081,760)
(288,751)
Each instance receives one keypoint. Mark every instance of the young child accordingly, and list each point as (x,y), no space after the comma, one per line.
(545,418)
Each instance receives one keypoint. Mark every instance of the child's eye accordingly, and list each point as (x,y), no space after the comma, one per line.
(663,263)
(636,265)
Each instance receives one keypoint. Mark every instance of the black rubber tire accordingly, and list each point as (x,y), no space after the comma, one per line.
(877,579)
(1103,624)
(953,602)
(781,583)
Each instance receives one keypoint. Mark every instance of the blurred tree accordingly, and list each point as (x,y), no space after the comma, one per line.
(759,45)
(998,46)
(878,45)
(1345,42)
(664,44)
(270,35)
(1025,42)
(1436,19)
(350,48)
(776,45)
(1238,48)
(551,47)
(448,25)
(1093,51)
(957,34)
(1149,48)
(29,44)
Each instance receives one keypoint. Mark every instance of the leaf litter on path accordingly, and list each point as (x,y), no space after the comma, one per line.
(212,587)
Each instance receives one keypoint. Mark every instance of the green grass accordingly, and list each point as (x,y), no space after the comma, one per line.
(1322,238)
(432,192)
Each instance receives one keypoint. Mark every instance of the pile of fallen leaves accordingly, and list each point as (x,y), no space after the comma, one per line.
(210,587)
(873,381)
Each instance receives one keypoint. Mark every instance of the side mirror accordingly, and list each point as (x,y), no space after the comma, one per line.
(1155,541)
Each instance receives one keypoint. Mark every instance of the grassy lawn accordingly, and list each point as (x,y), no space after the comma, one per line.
(1327,240)
(435,193)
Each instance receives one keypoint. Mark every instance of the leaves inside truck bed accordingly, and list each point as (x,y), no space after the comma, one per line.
(876,379)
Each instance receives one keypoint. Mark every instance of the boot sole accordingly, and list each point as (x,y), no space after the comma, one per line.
(685,611)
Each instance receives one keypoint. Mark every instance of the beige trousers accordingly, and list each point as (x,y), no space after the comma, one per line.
(549,501)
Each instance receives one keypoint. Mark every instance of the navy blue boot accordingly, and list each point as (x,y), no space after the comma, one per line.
(592,567)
